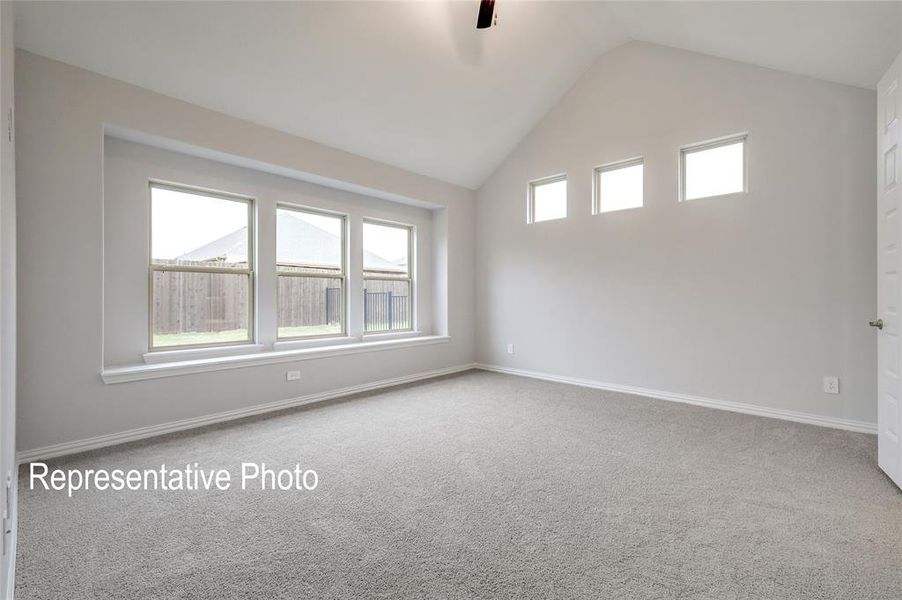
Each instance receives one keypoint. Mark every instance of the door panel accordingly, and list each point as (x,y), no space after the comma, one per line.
(889,264)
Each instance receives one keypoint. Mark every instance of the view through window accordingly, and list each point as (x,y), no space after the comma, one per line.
(310,260)
(619,186)
(548,199)
(201,268)
(714,169)
(388,286)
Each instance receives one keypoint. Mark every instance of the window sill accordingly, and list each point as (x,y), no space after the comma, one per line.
(203,365)
(167,356)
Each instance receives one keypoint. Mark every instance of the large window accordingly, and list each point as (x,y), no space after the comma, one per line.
(713,168)
(387,281)
(310,259)
(618,186)
(547,199)
(201,268)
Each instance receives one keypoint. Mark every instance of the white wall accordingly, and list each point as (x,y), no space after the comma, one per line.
(7,296)
(748,299)
(62,113)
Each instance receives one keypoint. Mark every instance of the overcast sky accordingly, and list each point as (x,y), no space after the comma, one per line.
(182,222)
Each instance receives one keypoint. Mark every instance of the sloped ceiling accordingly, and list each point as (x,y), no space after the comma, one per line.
(413,84)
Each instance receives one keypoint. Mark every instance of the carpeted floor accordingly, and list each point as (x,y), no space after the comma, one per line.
(484,486)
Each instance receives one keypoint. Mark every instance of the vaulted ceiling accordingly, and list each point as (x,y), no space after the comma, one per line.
(414,84)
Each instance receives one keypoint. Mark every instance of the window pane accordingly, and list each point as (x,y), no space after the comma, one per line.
(386,305)
(385,249)
(620,188)
(310,306)
(308,241)
(199,308)
(193,229)
(715,171)
(549,200)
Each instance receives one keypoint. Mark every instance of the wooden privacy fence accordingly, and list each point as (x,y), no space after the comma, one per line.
(189,301)
(309,301)
(186,302)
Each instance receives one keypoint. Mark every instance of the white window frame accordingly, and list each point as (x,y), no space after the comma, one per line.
(343,276)
(709,145)
(531,197)
(411,265)
(614,166)
(249,271)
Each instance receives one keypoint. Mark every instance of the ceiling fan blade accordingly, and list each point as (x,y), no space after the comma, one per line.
(486,14)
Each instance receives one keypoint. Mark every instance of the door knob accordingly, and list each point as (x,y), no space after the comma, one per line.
(878,323)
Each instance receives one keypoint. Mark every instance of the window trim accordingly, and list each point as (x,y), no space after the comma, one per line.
(614,166)
(250,272)
(531,197)
(410,279)
(710,145)
(343,275)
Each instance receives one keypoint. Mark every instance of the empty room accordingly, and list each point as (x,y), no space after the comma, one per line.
(450,299)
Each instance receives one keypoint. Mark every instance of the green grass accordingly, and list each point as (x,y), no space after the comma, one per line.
(198,338)
(205,338)
(309,330)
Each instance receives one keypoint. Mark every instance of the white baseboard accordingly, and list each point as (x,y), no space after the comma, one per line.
(749,409)
(131,435)
(113,439)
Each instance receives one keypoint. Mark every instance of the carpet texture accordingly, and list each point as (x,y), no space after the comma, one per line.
(483,485)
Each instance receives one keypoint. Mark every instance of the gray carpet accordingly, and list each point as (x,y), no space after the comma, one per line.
(484,486)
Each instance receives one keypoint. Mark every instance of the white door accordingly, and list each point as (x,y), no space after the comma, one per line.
(889,267)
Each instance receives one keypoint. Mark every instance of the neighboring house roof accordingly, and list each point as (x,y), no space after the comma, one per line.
(299,243)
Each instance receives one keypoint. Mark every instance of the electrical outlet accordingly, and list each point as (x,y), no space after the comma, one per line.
(831,385)
(510,348)
(292,375)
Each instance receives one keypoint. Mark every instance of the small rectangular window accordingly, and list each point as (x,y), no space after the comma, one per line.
(713,168)
(388,285)
(310,262)
(547,199)
(618,186)
(201,268)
